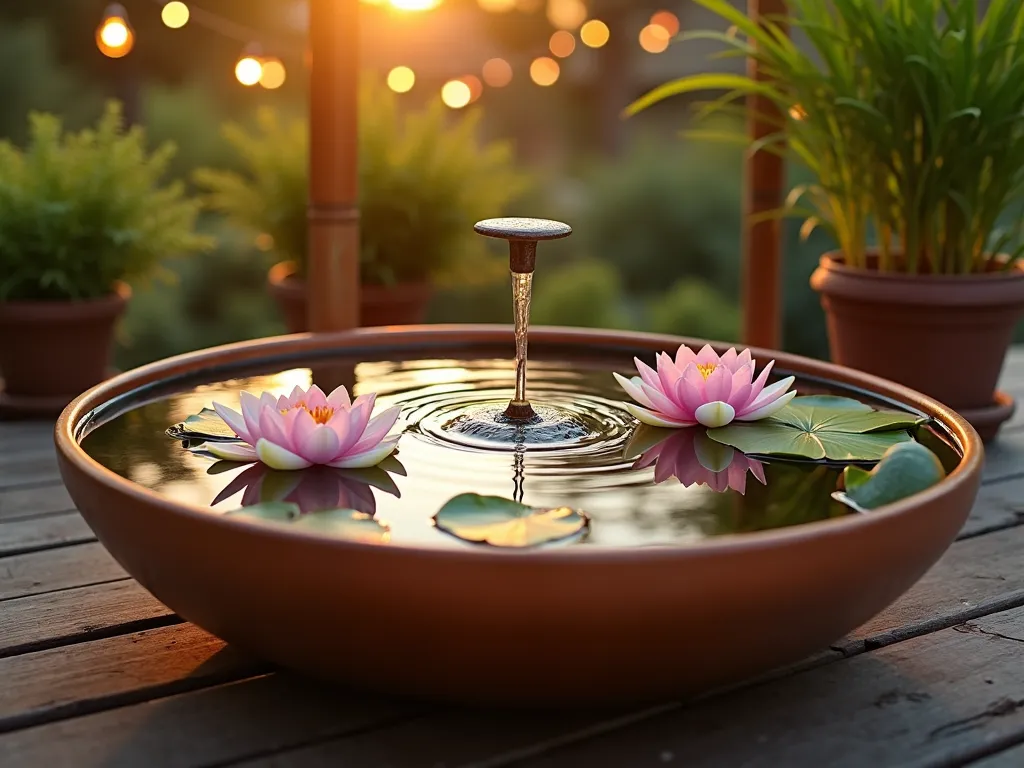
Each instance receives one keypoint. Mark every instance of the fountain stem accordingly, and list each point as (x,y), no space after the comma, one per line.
(522,236)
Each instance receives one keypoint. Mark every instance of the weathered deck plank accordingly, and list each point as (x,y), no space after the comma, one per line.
(88,677)
(56,569)
(79,614)
(36,500)
(38,533)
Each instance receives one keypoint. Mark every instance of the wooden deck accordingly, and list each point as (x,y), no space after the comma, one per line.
(95,672)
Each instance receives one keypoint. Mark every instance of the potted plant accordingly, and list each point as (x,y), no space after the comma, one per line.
(910,114)
(80,215)
(424,181)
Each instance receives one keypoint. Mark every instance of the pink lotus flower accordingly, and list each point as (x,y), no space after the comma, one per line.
(306,428)
(703,388)
(695,459)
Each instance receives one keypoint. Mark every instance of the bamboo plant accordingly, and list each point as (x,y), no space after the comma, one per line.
(909,113)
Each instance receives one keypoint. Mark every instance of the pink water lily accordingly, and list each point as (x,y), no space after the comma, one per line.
(307,428)
(703,388)
(695,459)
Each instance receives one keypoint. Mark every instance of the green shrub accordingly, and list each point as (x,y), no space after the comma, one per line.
(423,184)
(692,307)
(79,211)
(586,294)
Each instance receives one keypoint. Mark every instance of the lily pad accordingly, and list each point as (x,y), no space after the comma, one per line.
(808,430)
(904,470)
(342,523)
(206,426)
(505,523)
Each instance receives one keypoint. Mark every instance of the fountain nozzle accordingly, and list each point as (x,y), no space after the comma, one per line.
(522,236)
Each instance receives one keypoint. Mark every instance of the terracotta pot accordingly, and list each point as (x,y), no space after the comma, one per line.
(54,350)
(944,335)
(612,625)
(404,304)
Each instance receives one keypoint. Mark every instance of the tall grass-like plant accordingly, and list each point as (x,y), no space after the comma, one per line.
(80,211)
(424,179)
(910,113)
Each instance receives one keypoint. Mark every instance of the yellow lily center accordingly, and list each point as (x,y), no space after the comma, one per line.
(321,414)
(706,369)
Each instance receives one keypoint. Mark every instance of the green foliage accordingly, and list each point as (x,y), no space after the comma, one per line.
(585,294)
(910,113)
(217,299)
(692,307)
(423,184)
(79,211)
(664,213)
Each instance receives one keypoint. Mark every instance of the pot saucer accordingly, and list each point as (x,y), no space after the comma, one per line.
(989,419)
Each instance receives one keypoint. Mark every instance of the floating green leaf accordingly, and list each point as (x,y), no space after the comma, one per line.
(809,430)
(205,425)
(341,523)
(506,523)
(905,469)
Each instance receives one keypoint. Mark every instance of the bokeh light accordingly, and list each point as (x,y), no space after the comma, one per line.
(595,33)
(273,74)
(401,79)
(668,21)
(797,112)
(497,73)
(562,43)
(566,14)
(476,88)
(414,5)
(456,94)
(248,70)
(544,71)
(497,6)
(654,38)
(175,15)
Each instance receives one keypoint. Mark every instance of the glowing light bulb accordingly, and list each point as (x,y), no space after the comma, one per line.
(456,94)
(114,36)
(175,14)
(248,70)
(401,79)
(654,38)
(562,43)
(497,73)
(273,74)
(595,33)
(544,71)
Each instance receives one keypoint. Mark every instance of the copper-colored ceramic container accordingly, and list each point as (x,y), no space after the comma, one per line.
(565,626)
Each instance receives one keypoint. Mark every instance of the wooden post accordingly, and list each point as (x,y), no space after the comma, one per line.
(332,274)
(763,191)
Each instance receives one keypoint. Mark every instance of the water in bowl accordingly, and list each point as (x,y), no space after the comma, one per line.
(638,487)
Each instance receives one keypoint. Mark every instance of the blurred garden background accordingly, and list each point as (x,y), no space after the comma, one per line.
(469,106)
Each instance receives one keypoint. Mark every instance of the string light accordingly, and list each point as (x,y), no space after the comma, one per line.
(273,73)
(654,38)
(595,33)
(456,94)
(497,73)
(249,68)
(544,71)
(114,36)
(562,43)
(175,15)
(668,21)
(401,79)
(566,14)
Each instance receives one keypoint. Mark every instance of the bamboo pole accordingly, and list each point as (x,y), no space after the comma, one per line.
(764,184)
(332,274)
